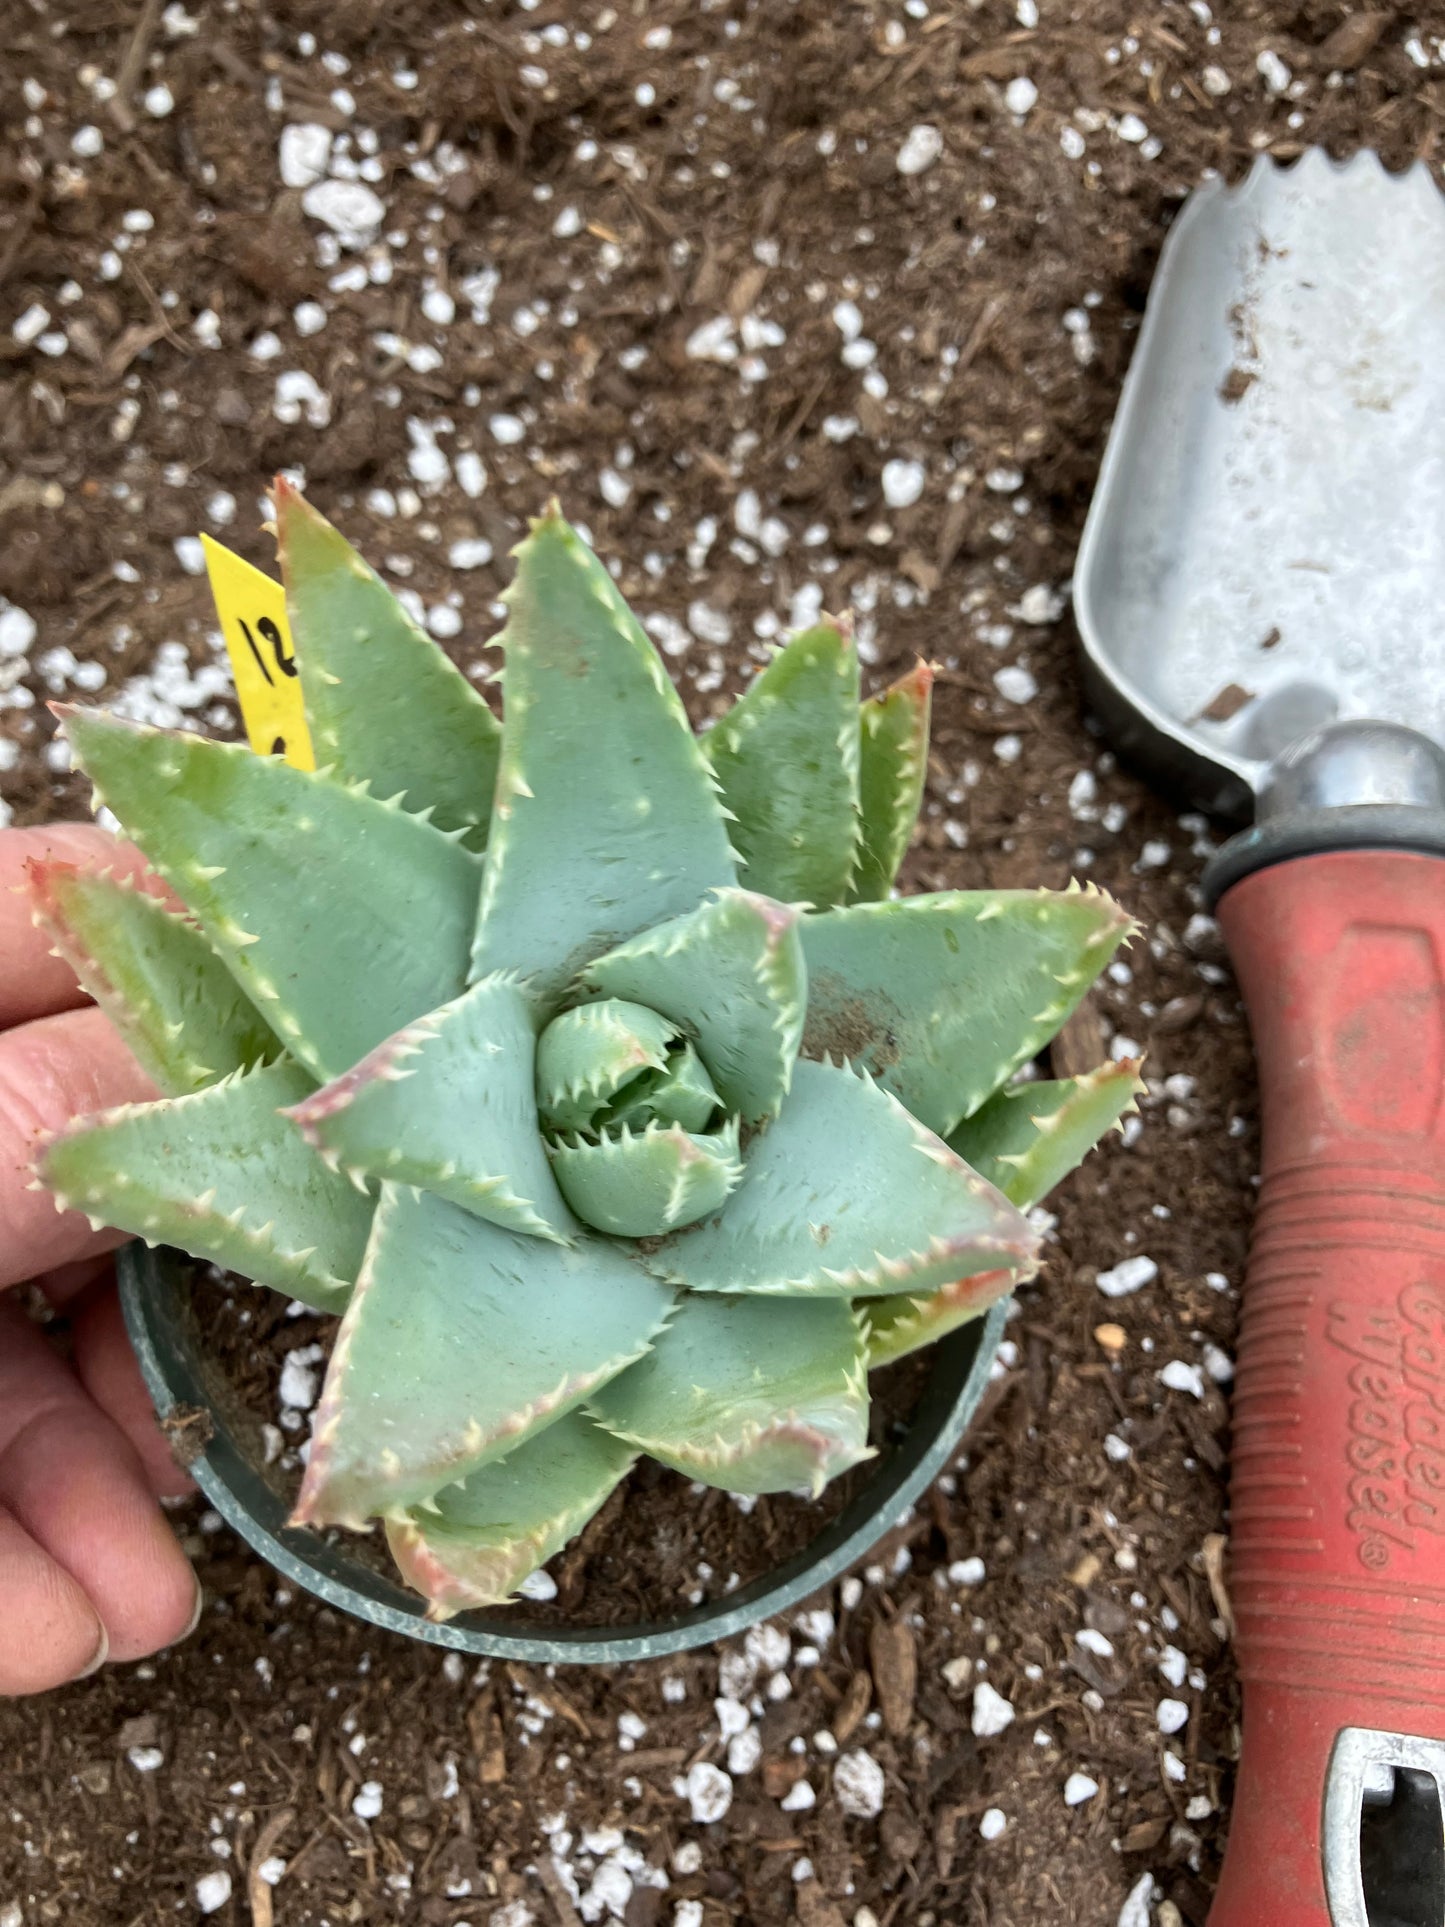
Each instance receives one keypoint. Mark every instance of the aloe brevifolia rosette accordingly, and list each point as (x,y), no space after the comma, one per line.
(582,1065)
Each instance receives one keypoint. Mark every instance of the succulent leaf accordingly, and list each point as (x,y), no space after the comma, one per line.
(897,1326)
(732,975)
(893,763)
(845,1195)
(461,1340)
(749,1395)
(476,1542)
(449,1104)
(643,1184)
(312,894)
(786,756)
(942,998)
(154,975)
(605,819)
(1024,1140)
(587,1056)
(1030,1136)
(383,702)
(682,1094)
(223,1176)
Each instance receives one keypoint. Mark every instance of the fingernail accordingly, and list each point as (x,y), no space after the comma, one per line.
(98,1658)
(195,1618)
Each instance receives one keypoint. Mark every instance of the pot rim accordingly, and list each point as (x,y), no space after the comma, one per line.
(150,1288)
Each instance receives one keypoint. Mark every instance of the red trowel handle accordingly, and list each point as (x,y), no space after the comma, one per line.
(1337,1531)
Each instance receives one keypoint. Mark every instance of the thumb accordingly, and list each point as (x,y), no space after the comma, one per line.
(52,1072)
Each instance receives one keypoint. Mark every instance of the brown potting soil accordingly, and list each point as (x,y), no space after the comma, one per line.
(692,290)
(658,1545)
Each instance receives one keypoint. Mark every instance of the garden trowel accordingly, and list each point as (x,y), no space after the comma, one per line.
(1261,598)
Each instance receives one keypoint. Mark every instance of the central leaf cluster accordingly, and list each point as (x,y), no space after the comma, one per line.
(639,1141)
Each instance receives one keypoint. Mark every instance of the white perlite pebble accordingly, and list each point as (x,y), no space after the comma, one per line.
(213,1890)
(1181,1377)
(687,1858)
(708,1792)
(1215,82)
(473,552)
(991,1711)
(922,148)
(190,554)
(1020,95)
(745,1751)
(1094,1641)
(17,630)
(438,306)
(715,340)
(1171,1715)
(349,208)
(1173,1665)
(310,317)
(732,1717)
(903,483)
(31,324)
(966,1572)
(538,1586)
(1273,71)
(993,1823)
(1130,1275)
(858,1785)
(1078,1788)
(298,1383)
(1132,129)
(304,153)
(159,101)
(687,1913)
(367,1804)
(298,394)
(1015,684)
(145,1759)
(1135,1910)
(798,1798)
(1039,605)
(507,429)
(10,1914)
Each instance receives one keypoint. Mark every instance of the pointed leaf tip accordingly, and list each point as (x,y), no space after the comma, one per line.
(605,822)
(786,760)
(383,701)
(749,1394)
(461,1341)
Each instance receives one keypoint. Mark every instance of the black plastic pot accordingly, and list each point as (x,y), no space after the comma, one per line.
(153,1292)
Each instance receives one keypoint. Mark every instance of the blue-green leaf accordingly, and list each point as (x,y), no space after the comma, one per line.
(606,821)
(383,702)
(449,1104)
(843,1195)
(942,998)
(174,1002)
(893,765)
(476,1542)
(752,1394)
(341,918)
(786,756)
(731,974)
(226,1178)
(460,1342)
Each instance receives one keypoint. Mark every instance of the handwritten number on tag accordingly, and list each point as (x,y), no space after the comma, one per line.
(284,662)
(271,635)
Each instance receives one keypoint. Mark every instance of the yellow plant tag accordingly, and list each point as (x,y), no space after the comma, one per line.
(252,609)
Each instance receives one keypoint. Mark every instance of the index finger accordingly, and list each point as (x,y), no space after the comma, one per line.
(34,982)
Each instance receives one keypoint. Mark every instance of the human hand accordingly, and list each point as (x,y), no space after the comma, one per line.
(89,1569)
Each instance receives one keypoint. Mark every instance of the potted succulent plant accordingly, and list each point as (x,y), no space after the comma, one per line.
(583,1066)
